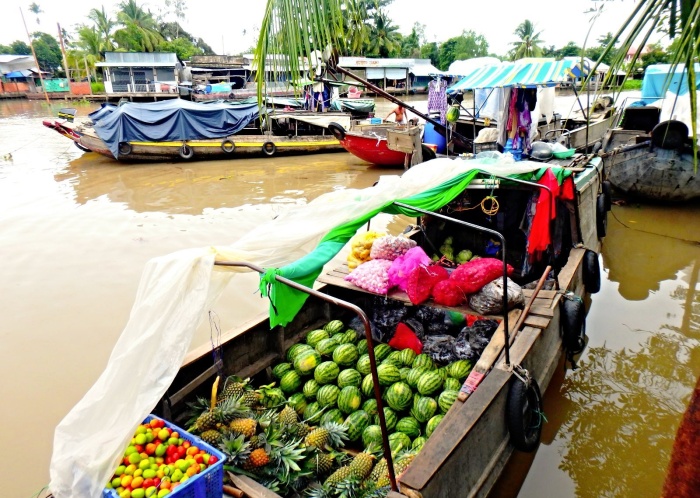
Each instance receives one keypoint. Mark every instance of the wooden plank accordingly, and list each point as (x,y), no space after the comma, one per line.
(258,366)
(546,294)
(539,322)
(251,487)
(568,273)
(541,310)
(179,396)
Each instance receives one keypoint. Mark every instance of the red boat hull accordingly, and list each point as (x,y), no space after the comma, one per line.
(372,149)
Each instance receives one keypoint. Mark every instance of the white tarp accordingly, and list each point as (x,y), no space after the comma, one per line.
(173,297)
(677,107)
(318,120)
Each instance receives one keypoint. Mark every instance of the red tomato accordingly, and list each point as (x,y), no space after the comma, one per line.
(156,481)
(139,448)
(199,458)
(181,451)
(147,483)
(172,449)
(150,449)
(213,459)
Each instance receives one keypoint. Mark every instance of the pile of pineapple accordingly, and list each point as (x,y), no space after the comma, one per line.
(265,439)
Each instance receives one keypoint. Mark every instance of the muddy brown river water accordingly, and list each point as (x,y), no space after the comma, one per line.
(77,229)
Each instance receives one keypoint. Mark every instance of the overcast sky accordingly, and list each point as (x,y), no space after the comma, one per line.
(231,26)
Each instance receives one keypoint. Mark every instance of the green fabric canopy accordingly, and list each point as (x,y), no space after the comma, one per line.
(285,302)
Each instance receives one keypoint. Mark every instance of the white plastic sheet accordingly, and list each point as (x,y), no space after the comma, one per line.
(174,294)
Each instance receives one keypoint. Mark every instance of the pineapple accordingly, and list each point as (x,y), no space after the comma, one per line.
(222,413)
(211,436)
(288,416)
(320,463)
(258,441)
(258,458)
(339,475)
(379,470)
(245,426)
(361,465)
(330,434)
(300,429)
(250,398)
(236,448)
(234,387)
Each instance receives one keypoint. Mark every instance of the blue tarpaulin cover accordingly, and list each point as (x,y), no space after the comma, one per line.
(656,80)
(169,120)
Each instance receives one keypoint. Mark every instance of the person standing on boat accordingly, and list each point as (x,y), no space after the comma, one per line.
(399,114)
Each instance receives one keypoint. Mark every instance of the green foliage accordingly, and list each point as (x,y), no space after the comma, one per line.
(466,46)
(17,47)
(97,86)
(47,50)
(430,51)
(183,47)
(529,43)
(139,32)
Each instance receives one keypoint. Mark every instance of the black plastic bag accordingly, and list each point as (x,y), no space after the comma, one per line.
(476,337)
(441,348)
(435,321)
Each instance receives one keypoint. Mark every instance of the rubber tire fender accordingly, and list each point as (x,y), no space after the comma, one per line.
(228,146)
(427,152)
(573,317)
(337,130)
(523,419)
(125,148)
(591,271)
(186,152)
(601,216)
(607,191)
(269,149)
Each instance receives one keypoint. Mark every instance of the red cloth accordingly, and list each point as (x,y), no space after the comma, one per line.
(540,237)
(405,338)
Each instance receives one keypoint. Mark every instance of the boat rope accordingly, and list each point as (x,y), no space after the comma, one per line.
(491,210)
(215,338)
(689,241)
(8,156)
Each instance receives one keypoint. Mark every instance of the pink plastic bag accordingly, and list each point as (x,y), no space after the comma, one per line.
(422,280)
(372,276)
(473,275)
(402,266)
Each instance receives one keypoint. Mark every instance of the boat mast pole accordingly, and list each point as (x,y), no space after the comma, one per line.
(36,61)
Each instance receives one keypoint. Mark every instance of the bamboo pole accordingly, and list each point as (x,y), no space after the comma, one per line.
(63,53)
(36,61)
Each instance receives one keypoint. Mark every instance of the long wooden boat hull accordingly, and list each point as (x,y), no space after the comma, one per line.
(650,173)
(372,149)
(239,145)
(470,447)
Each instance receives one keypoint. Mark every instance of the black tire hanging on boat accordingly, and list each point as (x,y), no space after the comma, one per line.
(607,191)
(269,149)
(125,149)
(573,317)
(228,146)
(591,271)
(186,152)
(428,153)
(337,130)
(524,414)
(601,216)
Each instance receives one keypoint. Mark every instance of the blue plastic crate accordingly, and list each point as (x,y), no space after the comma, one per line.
(207,484)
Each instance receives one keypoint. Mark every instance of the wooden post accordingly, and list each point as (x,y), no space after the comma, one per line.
(63,53)
(36,61)
(87,73)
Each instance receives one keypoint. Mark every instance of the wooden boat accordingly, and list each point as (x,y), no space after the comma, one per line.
(285,132)
(468,450)
(657,164)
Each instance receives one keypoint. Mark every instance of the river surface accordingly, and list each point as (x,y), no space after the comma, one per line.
(77,230)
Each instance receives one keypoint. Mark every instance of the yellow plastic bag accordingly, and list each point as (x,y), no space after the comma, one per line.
(360,247)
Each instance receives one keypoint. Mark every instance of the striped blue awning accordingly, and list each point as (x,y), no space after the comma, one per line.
(516,74)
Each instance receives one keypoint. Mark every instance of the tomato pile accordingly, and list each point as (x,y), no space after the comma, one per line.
(156,462)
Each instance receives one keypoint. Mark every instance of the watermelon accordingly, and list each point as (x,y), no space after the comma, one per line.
(350,337)
(432,424)
(367,386)
(333,415)
(316,336)
(452,114)
(356,423)
(424,361)
(281,369)
(306,362)
(327,395)
(389,417)
(362,346)
(310,389)
(349,377)
(395,358)
(403,372)
(388,374)
(298,402)
(326,372)
(452,384)
(349,399)
(326,346)
(372,434)
(414,375)
(399,396)
(429,383)
(418,443)
(363,364)
(399,441)
(459,369)
(290,382)
(333,327)
(345,354)
(312,413)
(442,371)
(407,357)
(381,351)
(447,399)
(424,409)
(409,426)
(339,338)
(370,406)
(295,350)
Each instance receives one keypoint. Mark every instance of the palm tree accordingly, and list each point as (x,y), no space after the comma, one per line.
(36,10)
(139,31)
(383,36)
(104,26)
(529,43)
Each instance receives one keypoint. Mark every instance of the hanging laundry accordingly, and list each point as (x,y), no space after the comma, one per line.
(437,97)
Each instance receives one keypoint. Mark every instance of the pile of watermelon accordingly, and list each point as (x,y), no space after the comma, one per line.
(327,379)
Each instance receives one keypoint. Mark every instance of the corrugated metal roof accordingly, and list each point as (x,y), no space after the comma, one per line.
(4,58)
(149,58)
(135,64)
